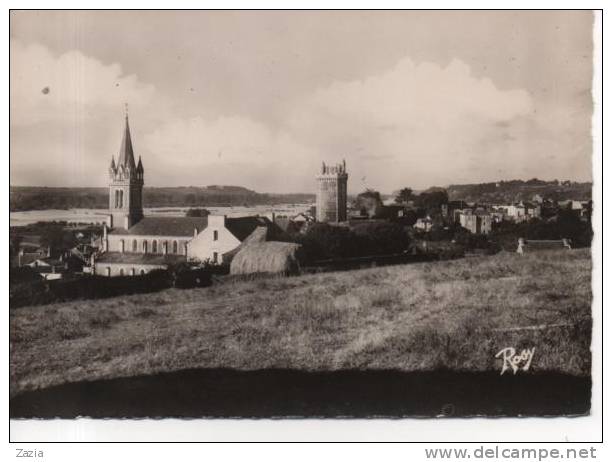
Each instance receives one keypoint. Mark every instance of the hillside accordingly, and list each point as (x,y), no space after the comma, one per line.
(505,192)
(41,198)
(452,315)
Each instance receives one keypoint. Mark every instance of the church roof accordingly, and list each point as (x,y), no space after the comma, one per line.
(164,226)
(126,153)
(241,227)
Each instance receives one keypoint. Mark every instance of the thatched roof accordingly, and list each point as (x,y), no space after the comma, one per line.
(267,257)
(259,235)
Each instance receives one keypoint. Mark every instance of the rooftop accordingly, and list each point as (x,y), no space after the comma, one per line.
(240,227)
(164,226)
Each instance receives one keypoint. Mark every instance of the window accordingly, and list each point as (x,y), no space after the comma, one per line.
(154,247)
(121,272)
(122,245)
(142,272)
(134,246)
(108,270)
(175,247)
(215,257)
(133,272)
(144,247)
(215,235)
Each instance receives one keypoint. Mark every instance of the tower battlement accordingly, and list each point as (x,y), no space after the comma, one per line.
(332,193)
(338,169)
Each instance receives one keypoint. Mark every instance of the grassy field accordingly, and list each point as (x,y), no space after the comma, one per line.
(419,317)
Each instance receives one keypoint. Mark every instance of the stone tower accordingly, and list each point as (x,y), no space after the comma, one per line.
(331,193)
(125,186)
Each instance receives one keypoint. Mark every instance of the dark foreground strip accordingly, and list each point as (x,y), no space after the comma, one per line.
(291,393)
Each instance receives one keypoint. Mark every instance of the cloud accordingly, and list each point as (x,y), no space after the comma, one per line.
(66,115)
(229,150)
(45,87)
(415,124)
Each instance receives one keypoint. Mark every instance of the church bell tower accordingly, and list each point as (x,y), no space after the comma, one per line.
(125,186)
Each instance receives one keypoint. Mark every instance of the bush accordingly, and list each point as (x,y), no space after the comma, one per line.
(197,213)
(185,276)
(90,287)
(381,238)
(567,226)
(22,274)
(327,242)
(324,241)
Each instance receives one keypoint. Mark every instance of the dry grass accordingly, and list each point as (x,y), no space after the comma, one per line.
(410,317)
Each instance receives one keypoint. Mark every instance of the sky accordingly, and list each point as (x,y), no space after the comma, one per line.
(260,98)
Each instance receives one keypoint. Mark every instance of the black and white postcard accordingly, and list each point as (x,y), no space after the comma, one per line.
(266,214)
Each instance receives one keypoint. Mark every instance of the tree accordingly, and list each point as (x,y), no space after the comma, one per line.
(432,201)
(403,196)
(324,241)
(370,203)
(56,238)
(197,213)
(15,242)
(190,199)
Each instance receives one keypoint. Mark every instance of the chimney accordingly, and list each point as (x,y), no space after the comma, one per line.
(216,221)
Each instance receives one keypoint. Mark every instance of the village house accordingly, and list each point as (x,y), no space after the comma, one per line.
(476,221)
(49,268)
(520,211)
(424,224)
(292,225)
(29,252)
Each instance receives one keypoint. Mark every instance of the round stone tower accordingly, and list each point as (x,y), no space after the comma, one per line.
(331,193)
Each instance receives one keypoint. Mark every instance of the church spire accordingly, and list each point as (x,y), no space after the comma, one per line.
(126,153)
(125,185)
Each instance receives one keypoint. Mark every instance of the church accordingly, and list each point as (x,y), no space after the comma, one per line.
(134,244)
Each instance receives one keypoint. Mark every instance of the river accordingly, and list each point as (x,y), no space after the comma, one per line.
(99,215)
